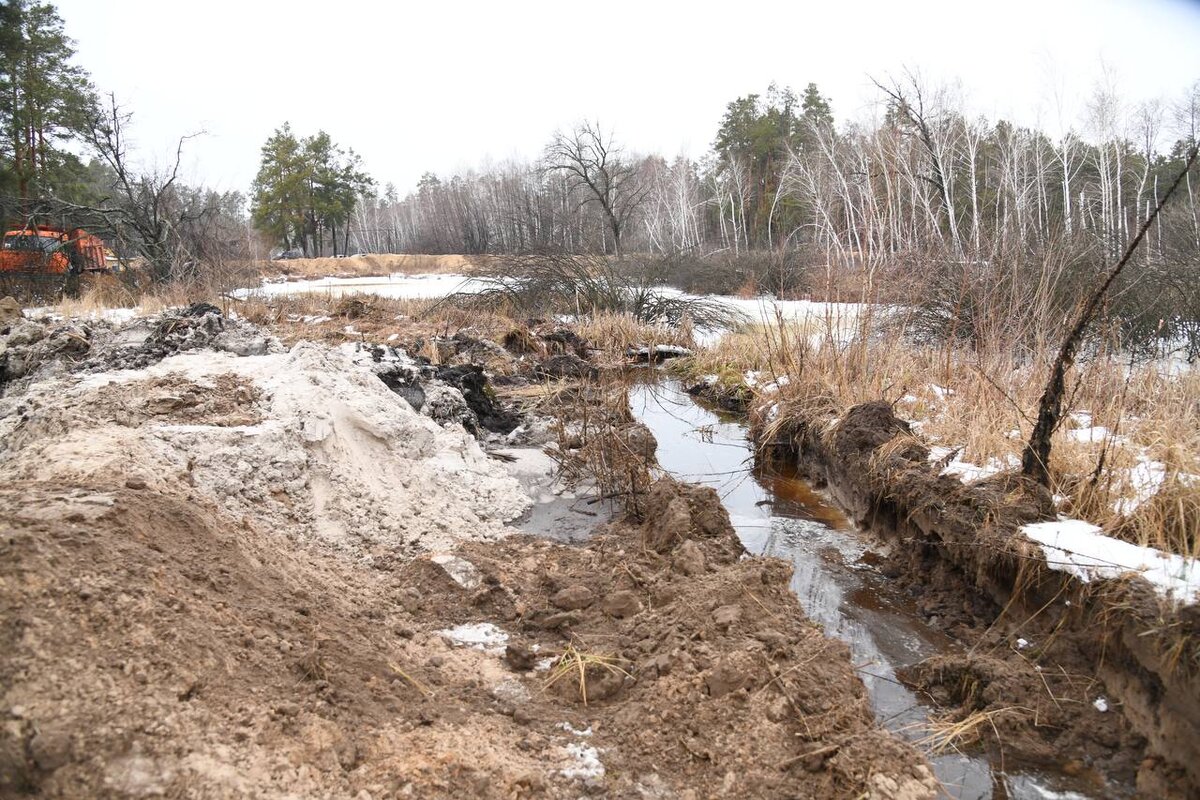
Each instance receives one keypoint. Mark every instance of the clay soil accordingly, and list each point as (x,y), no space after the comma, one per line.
(152,648)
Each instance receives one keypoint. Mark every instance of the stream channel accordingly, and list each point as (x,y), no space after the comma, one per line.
(780,515)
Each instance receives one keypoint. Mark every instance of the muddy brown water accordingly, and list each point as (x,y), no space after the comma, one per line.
(780,515)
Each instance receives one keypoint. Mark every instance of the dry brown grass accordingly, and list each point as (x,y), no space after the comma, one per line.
(370,265)
(575,664)
(615,333)
(368,318)
(952,735)
(1151,417)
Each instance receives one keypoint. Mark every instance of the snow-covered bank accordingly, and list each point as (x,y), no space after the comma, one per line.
(1082,550)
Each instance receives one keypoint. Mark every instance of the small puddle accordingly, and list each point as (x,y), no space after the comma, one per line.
(780,515)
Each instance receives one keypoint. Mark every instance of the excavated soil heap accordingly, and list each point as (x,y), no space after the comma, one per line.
(266,575)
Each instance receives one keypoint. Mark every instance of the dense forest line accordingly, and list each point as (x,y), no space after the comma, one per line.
(782,172)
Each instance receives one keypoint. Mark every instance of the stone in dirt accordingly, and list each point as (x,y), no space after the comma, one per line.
(737,670)
(10,310)
(463,572)
(520,656)
(621,604)
(573,597)
(727,616)
(689,558)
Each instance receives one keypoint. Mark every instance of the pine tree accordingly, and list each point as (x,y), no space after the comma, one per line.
(45,100)
(280,189)
(306,188)
(756,136)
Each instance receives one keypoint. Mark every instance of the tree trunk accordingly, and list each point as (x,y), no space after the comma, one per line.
(1036,458)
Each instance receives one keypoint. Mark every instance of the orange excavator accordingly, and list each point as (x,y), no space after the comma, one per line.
(44,250)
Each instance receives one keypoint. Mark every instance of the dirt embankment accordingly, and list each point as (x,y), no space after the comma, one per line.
(267,575)
(1099,676)
(368,266)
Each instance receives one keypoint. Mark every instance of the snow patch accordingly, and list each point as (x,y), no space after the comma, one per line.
(478,636)
(1082,550)
(584,763)
(566,726)
(1144,479)
(1094,435)
(940,392)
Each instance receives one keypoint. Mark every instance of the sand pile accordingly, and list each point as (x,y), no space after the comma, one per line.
(303,441)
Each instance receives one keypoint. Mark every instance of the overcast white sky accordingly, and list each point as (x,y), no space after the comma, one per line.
(444,85)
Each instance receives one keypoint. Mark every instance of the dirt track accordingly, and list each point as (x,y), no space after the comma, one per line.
(196,637)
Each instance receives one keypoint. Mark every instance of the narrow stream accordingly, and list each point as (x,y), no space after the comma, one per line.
(780,515)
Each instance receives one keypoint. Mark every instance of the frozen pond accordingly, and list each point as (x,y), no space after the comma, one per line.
(400,286)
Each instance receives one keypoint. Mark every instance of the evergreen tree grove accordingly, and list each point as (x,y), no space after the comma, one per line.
(45,100)
(305,189)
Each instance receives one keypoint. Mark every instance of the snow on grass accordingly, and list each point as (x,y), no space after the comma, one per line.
(116,316)
(1082,550)
(1093,435)
(965,470)
(941,392)
(1143,480)
(663,351)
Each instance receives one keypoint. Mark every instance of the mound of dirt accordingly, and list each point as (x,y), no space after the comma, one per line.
(34,349)
(10,310)
(310,444)
(152,646)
